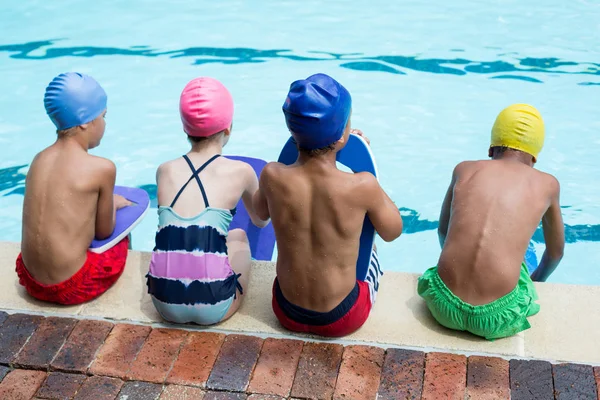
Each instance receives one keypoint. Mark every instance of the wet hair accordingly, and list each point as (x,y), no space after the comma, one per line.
(204,139)
(318,152)
(67,132)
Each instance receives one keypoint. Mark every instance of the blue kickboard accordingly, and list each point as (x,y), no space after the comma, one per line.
(356,156)
(262,240)
(126,219)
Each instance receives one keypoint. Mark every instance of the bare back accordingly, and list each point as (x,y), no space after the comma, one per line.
(496,206)
(59,210)
(317,212)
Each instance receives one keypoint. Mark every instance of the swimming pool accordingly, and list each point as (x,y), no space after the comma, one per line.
(427,82)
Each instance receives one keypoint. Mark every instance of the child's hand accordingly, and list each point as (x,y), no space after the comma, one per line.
(361,134)
(120,201)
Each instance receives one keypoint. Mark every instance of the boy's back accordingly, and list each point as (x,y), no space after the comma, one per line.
(317,213)
(59,210)
(496,208)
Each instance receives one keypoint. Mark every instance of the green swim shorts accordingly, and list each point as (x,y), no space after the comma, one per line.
(498,319)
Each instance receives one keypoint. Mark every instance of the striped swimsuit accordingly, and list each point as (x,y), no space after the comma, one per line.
(190,278)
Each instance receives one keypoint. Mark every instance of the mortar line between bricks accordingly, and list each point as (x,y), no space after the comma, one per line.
(87,369)
(174,358)
(126,373)
(61,346)
(11,363)
(262,345)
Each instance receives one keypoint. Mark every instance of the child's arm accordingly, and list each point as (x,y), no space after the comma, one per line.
(554,236)
(445,212)
(251,189)
(259,200)
(381,210)
(106,213)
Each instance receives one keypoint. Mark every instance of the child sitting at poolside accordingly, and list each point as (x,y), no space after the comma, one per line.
(199,268)
(69,200)
(491,210)
(318,213)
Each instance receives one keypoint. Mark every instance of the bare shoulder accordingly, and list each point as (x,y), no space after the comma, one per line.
(365,183)
(167,166)
(548,181)
(273,170)
(466,166)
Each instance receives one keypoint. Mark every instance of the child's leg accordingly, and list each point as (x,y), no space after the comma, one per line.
(238,248)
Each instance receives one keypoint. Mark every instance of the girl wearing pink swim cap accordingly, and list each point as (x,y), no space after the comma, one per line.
(199,269)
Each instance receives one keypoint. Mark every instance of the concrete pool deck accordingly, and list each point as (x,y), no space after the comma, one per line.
(563,331)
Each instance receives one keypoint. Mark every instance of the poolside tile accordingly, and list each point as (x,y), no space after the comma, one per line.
(317,370)
(234,365)
(574,381)
(177,392)
(99,388)
(45,343)
(276,367)
(80,348)
(445,376)
(196,359)
(530,380)
(224,396)
(157,356)
(60,385)
(21,384)
(596,375)
(14,332)
(3,317)
(487,378)
(120,350)
(360,373)
(134,390)
(402,375)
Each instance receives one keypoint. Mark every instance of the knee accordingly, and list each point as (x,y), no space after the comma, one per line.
(238,235)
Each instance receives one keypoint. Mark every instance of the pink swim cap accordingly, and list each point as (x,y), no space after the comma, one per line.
(206,107)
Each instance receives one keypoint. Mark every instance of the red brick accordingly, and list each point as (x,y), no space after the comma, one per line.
(120,350)
(176,392)
(81,346)
(276,367)
(196,359)
(59,385)
(574,381)
(402,375)
(43,345)
(531,380)
(596,376)
(224,396)
(235,363)
(140,391)
(317,370)
(157,356)
(445,376)
(21,384)
(264,397)
(360,373)
(14,333)
(487,378)
(99,388)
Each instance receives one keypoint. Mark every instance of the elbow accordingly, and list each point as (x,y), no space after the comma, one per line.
(556,254)
(261,223)
(392,234)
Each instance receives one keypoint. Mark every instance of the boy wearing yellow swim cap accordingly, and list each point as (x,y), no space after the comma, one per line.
(490,212)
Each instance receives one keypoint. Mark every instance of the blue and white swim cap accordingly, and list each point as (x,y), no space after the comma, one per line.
(74,99)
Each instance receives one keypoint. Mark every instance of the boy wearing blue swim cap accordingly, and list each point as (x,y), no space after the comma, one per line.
(318,212)
(69,201)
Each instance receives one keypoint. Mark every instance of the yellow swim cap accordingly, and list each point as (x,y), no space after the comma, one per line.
(519,127)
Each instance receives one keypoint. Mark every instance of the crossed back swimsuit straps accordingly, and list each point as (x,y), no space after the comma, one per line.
(190,278)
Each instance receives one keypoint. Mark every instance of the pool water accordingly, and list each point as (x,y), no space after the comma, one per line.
(427,80)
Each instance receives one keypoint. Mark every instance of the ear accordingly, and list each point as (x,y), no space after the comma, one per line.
(84,126)
(227,131)
(490,153)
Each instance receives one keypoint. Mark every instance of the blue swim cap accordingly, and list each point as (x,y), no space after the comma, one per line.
(74,99)
(316,111)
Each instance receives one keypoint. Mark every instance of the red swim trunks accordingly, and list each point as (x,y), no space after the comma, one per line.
(344,319)
(97,275)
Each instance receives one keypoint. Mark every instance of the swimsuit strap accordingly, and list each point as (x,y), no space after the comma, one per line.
(195,173)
